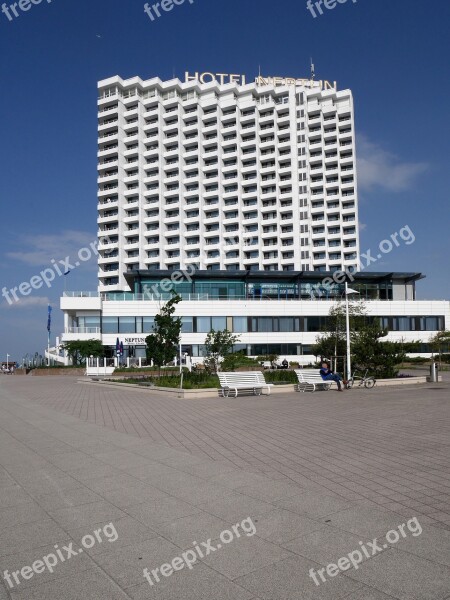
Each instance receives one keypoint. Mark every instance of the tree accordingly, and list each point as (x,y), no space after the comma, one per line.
(218,345)
(367,348)
(332,342)
(163,343)
(440,343)
(369,352)
(79,351)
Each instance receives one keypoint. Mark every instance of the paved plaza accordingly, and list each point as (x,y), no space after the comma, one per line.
(336,495)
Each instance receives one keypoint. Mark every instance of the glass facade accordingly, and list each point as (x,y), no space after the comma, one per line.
(271,288)
(255,324)
(226,289)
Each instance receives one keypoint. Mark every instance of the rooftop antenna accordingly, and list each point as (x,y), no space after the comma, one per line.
(313,74)
(259,74)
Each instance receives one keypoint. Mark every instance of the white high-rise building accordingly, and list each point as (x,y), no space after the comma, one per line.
(240,197)
(225,175)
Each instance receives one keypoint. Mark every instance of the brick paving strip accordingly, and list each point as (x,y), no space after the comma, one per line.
(317,473)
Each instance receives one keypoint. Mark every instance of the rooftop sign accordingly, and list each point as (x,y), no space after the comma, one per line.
(223,78)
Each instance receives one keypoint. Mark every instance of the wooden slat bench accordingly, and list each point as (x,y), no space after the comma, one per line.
(310,380)
(250,382)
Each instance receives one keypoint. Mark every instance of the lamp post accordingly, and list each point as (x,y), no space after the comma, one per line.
(347,328)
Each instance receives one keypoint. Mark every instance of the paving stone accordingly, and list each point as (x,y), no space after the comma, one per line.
(281,526)
(432,543)
(314,504)
(326,545)
(13,496)
(404,576)
(243,554)
(15,562)
(67,498)
(193,528)
(202,465)
(365,521)
(196,493)
(200,583)
(234,507)
(368,593)
(269,491)
(48,485)
(125,564)
(159,510)
(90,585)
(113,481)
(30,535)
(86,515)
(129,531)
(236,479)
(138,493)
(290,580)
(27,512)
(208,469)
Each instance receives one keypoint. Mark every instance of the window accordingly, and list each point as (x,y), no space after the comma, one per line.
(127,325)
(110,325)
(147,324)
(187,324)
(205,324)
(240,325)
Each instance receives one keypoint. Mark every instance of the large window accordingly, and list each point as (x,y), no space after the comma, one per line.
(205,324)
(413,323)
(147,324)
(187,324)
(110,325)
(88,322)
(240,324)
(127,325)
(259,324)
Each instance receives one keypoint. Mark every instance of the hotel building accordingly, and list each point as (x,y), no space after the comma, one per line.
(250,189)
(224,177)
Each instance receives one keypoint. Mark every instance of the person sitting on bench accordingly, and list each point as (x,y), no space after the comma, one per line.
(328,375)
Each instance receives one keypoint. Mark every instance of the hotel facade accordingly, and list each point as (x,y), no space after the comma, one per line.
(243,198)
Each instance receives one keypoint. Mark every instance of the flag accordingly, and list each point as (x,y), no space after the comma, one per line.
(121,348)
(117,347)
(49,320)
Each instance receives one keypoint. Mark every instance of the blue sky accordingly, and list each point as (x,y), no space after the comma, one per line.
(392,54)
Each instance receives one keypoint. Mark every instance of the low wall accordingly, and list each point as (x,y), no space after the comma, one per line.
(57,372)
(213,392)
(21,371)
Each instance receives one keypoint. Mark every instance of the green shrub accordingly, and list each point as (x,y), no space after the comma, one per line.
(236,359)
(190,381)
(284,375)
(416,360)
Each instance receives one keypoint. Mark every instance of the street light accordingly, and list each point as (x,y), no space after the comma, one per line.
(347,328)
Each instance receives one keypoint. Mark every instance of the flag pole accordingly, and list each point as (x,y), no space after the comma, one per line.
(49,326)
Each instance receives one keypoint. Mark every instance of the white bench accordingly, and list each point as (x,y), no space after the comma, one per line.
(310,380)
(244,381)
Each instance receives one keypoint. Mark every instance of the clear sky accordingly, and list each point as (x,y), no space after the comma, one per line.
(393,54)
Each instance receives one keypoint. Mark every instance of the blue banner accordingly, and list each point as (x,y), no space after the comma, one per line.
(49,320)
